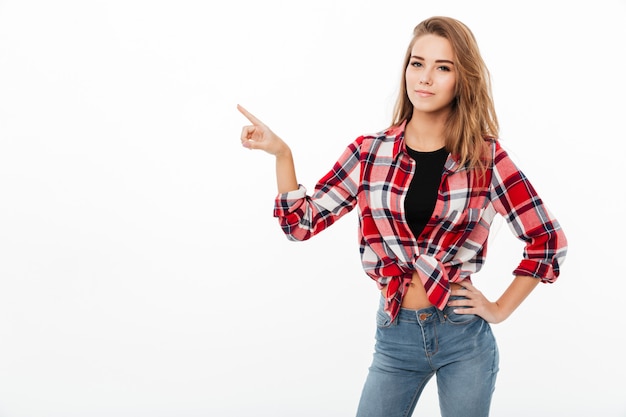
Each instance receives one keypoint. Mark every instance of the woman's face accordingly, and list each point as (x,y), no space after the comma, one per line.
(431,75)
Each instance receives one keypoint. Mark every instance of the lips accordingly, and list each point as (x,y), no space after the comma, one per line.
(424,93)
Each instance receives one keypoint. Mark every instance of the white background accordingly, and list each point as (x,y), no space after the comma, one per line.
(141,270)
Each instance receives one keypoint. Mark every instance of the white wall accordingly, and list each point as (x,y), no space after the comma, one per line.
(141,271)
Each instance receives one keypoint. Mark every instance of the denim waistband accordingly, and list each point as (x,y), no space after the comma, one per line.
(423,315)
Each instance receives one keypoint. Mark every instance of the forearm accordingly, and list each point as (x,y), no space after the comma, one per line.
(285,172)
(515,294)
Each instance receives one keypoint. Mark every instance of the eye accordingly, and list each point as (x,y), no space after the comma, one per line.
(415,64)
(444,68)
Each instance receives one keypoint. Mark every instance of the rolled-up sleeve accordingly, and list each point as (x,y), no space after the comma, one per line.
(302,216)
(529,219)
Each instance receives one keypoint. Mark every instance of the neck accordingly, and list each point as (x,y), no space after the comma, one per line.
(425,132)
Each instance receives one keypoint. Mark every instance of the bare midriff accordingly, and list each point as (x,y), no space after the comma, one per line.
(415,297)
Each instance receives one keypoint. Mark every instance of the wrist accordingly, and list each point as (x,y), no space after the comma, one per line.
(501,313)
(283,153)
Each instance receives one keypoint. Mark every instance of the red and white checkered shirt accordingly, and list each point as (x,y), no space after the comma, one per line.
(373,175)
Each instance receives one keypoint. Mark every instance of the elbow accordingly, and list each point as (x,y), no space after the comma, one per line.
(295,232)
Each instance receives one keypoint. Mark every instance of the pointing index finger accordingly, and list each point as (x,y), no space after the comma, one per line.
(249,116)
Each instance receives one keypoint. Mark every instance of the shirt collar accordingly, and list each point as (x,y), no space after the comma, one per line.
(397,133)
(399,146)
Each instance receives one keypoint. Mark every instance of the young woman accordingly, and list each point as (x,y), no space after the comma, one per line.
(426,191)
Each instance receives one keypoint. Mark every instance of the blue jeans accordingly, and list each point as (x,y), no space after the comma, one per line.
(459,348)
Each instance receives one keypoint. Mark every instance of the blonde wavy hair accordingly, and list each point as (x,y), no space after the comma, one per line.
(472,118)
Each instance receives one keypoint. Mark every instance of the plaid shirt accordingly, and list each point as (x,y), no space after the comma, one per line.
(373,175)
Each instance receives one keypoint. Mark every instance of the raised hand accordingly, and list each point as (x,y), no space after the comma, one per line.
(259,136)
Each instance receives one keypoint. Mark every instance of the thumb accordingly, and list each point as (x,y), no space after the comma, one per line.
(250,144)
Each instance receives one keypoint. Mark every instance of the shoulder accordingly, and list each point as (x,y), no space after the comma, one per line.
(493,150)
(503,162)
(500,153)
(390,136)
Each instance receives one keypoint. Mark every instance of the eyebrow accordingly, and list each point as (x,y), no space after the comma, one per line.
(436,61)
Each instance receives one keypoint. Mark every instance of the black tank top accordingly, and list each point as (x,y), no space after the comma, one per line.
(422,194)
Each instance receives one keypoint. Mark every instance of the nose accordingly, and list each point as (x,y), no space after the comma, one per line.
(425,77)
